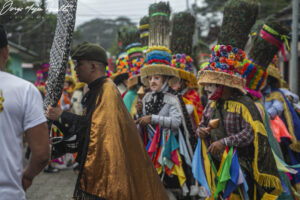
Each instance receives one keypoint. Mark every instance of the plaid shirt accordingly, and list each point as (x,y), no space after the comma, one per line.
(240,133)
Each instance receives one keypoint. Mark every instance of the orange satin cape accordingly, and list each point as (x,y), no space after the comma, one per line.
(117,165)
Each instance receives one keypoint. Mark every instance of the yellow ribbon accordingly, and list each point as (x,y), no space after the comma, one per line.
(282,37)
(144,26)
(144,35)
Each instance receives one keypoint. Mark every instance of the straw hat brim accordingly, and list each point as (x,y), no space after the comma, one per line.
(222,78)
(119,77)
(157,69)
(133,81)
(189,77)
(272,71)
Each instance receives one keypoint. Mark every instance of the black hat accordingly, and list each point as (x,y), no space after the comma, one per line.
(89,51)
(3,37)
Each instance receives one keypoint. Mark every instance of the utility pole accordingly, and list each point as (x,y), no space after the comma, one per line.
(196,33)
(187,5)
(294,71)
(43,33)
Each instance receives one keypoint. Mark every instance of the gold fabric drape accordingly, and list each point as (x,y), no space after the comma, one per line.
(117,165)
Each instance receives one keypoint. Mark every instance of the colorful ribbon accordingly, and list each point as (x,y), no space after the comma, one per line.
(144,35)
(144,26)
(160,13)
(282,37)
(272,40)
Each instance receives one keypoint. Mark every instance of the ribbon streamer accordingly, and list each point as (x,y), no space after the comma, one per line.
(282,37)
(272,40)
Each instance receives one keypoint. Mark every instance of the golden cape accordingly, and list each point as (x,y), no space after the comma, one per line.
(117,165)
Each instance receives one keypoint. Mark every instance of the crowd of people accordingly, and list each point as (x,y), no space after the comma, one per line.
(155,129)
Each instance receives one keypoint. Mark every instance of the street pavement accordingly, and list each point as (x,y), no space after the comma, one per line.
(52,186)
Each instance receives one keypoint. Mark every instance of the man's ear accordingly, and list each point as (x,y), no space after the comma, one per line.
(93,66)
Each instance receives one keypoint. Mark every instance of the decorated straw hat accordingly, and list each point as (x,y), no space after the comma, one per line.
(183,63)
(265,46)
(158,62)
(135,62)
(273,70)
(122,69)
(144,32)
(181,45)
(227,55)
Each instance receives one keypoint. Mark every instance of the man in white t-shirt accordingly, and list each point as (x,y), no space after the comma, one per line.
(21,111)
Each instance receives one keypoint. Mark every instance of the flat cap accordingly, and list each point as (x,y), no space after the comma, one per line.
(89,51)
(3,37)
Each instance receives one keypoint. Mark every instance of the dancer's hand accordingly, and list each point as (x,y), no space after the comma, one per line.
(216,148)
(202,132)
(144,120)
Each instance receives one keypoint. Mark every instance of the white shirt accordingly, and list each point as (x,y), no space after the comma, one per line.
(22,110)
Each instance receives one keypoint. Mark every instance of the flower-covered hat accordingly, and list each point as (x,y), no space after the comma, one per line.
(183,63)
(226,57)
(135,62)
(122,69)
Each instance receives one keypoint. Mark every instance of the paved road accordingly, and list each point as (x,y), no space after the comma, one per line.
(55,186)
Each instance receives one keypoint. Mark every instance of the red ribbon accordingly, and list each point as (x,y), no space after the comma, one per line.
(158,61)
(268,37)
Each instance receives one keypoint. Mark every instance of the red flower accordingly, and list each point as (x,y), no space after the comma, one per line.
(223,60)
(229,48)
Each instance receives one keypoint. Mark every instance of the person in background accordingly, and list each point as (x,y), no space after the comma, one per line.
(21,110)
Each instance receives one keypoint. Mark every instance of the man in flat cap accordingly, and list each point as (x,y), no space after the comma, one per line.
(112,157)
(21,110)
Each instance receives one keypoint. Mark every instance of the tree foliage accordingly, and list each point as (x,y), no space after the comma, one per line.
(101,31)
(29,25)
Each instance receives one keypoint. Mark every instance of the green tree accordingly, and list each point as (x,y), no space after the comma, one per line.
(101,31)
(24,22)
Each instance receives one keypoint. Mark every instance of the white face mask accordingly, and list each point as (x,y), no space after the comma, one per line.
(210,89)
(156,82)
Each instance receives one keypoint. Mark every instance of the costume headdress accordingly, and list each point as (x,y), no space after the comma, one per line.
(159,24)
(135,62)
(122,69)
(266,44)
(226,57)
(144,32)
(273,70)
(158,56)
(181,45)
(158,62)
(126,36)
